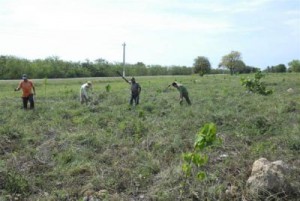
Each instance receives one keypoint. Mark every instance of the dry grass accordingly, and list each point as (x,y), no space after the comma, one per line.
(63,149)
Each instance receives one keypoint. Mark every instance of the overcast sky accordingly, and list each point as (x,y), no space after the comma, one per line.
(163,32)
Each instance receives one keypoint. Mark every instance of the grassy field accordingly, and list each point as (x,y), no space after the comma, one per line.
(63,150)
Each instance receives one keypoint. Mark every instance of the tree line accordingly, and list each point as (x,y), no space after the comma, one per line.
(293,66)
(12,67)
(233,63)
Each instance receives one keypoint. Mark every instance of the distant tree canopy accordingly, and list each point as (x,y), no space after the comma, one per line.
(243,69)
(202,65)
(232,61)
(280,68)
(294,66)
(12,67)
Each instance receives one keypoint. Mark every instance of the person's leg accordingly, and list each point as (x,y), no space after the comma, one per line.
(31,101)
(83,99)
(25,102)
(131,100)
(188,99)
(137,100)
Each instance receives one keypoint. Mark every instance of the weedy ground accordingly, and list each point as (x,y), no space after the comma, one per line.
(62,149)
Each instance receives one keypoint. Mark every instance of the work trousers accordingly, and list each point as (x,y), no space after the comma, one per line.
(134,98)
(25,101)
(186,97)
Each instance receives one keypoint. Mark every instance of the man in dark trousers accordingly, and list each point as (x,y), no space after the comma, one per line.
(183,93)
(135,91)
(28,90)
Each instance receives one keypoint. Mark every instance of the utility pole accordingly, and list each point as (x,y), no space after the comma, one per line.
(124,58)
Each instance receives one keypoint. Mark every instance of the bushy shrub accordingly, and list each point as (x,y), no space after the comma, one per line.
(255,85)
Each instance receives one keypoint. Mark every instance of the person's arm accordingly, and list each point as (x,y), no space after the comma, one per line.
(19,87)
(33,88)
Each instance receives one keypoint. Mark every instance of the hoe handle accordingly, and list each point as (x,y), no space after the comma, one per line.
(122,76)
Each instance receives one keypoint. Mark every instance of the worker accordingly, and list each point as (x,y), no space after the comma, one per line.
(28,90)
(183,92)
(135,91)
(84,92)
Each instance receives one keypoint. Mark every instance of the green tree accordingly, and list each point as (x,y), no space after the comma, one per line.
(3,67)
(140,69)
(281,68)
(53,65)
(15,68)
(251,69)
(100,68)
(294,66)
(240,67)
(202,65)
(231,61)
(157,70)
(180,70)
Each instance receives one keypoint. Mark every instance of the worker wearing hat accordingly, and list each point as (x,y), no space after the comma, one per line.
(28,90)
(135,91)
(183,92)
(84,90)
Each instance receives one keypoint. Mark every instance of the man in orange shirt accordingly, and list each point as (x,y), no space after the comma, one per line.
(28,91)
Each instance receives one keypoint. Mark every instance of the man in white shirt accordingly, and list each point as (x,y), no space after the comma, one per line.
(84,89)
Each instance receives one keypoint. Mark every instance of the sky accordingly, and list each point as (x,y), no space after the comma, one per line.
(156,32)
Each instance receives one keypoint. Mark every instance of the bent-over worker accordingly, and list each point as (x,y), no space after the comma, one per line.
(84,92)
(183,93)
